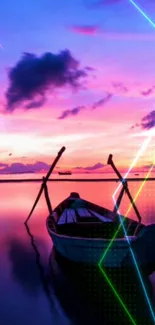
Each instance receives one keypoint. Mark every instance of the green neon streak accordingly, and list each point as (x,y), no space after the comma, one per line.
(110,244)
(117,295)
(134,200)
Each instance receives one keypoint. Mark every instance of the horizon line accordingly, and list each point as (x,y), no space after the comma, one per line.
(133,179)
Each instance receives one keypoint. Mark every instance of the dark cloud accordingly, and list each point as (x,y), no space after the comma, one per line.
(77,110)
(70,112)
(90,68)
(96,166)
(23,168)
(147,92)
(148,121)
(33,76)
(119,86)
(36,104)
(86,29)
(3,165)
(102,101)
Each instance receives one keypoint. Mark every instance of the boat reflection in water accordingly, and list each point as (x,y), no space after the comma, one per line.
(73,302)
(87,298)
(81,231)
(80,293)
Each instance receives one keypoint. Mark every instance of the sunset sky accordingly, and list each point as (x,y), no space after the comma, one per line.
(76,73)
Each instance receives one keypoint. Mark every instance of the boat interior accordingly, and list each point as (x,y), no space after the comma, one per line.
(80,218)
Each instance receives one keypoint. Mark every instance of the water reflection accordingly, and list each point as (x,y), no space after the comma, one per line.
(74,302)
(23,268)
(25,296)
(22,196)
(73,305)
(87,290)
(34,291)
(37,289)
(84,295)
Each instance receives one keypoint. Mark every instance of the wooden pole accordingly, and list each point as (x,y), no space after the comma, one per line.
(117,204)
(47,197)
(124,183)
(45,180)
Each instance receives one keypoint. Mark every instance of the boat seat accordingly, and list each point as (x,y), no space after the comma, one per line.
(90,230)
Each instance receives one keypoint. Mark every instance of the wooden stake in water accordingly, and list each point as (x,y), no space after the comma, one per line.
(45,181)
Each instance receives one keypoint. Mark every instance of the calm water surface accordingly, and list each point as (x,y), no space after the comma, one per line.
(25,296)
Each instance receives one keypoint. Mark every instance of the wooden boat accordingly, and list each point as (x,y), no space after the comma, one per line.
(65,173)
(81,231)
(73,278)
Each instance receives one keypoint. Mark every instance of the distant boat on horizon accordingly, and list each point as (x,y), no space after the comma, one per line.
(65,173)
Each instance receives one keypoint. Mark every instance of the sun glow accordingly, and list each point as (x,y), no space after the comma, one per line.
(38,144)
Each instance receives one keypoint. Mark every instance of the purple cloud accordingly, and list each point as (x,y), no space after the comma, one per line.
(90,68)
(120,87)
(77,110)
(148,121)
(70,112)
(39,166)
(102,101)
(36,104)
(16,168)
(33,76)
(148,92)
(3,165)
(96,166)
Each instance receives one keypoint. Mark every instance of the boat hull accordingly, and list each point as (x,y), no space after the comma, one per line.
(91,251)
